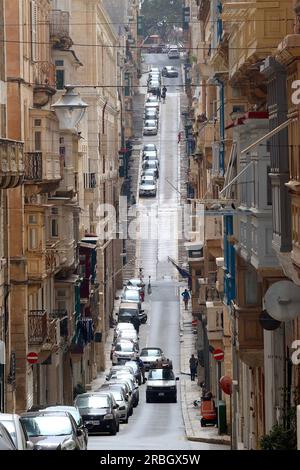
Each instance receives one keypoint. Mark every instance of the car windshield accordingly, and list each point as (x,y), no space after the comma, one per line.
(92,401)
(47,426)
(131,294)
(151,352)
(150,124)
(124,347)
(10,426)
(117,395)
(161,374)
(133,365)
(73,411)
(150,147)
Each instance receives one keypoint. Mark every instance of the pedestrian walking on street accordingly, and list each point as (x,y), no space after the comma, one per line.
(164,94)
(136,323)
(158,93)
(193,367)
(186,297)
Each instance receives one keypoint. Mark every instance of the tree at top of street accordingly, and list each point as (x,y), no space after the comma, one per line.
(160,16)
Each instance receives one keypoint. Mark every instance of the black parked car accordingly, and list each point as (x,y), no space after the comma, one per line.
(52,430)
(99,412)
(6,442)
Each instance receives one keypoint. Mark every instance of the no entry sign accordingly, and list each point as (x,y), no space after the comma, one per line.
(218,355)
(32,357)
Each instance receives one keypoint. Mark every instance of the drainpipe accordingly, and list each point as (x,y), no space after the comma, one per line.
(222,125)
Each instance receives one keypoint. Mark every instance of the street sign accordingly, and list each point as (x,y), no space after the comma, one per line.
(218,355)
(32,357)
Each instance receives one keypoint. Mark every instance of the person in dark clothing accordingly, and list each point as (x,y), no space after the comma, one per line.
(186,297)
(142,368)
(136,323)
(158,94)
(193,367)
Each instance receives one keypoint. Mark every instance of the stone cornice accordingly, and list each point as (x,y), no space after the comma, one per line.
(288,50)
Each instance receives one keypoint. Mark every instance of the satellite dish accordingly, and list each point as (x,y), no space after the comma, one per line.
(282,301)
(267,322)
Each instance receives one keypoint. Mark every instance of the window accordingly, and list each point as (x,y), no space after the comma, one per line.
(32,219)
(32,242)
(37,123)
(33,14)
(60,79)
(37,141)
(59,63)
(251,288)
(54,228)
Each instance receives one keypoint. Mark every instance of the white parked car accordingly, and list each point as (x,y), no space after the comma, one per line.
(147,189)
(124,351)
(16,431)
(173,53)
(161,383)
(150,127)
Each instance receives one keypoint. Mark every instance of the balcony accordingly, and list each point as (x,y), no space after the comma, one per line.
(37,327)
(42,167)
(90,181)
(250,337)
(60,30)
(44,83)
(214,312)
(11,163)
(257,29)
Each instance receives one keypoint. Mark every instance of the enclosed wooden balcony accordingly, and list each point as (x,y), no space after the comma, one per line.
(256,30)
(11,163)
(37,327)
(214,312)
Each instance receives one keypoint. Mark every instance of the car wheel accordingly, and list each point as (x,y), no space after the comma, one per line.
(148,400)
(175,399)
(203,423)
(113,431)
(131,412)
(126,419)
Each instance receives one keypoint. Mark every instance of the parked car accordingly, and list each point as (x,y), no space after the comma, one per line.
(120,398)
(131,295)
(173,53)
(149,148)
(17,432)
(52,430)
(124,351)
(147,189)
(151,114)
(151,104)
(128,335)
(136,282)
(99,411)
(151,166)
(6,442)
(127,376)
(128,310)
(136,370)
(150,355)
(120,386)
(129,383)
(161,383)
(150,127)
(150,172)
(148,179)
(123,326)
(77,416)
(170,71)
(154,76)
(151,158)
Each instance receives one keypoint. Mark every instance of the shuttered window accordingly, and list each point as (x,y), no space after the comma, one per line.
(33,14)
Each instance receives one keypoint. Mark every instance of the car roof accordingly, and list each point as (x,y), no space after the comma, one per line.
(34,414)
(8,416)
(61,408)
(149,347)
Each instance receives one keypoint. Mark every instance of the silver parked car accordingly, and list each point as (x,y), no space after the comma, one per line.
(150,127)
(147,189)
(17,432)
(149,356)
(121,400)
(124,351)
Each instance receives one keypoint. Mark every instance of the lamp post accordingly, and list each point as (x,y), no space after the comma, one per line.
(70,109)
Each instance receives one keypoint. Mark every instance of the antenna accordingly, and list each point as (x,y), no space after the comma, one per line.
(282,301)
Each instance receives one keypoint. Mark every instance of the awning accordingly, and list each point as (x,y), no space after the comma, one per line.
(90,246)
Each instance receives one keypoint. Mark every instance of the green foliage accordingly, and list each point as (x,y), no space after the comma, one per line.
(161,15)
(282,437)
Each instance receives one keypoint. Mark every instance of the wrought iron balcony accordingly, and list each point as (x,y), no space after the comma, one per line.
(45,83)
(60,30)
(33,166)
(90,181)
(11,163)
(59,314)
(37,327)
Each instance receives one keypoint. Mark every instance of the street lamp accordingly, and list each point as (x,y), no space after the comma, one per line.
(70,109)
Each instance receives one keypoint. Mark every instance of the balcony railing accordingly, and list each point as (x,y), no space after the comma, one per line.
(59,314)
(11,163)
(33,166)
(37,327)
(90,181)
(44,73)
(60,23)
